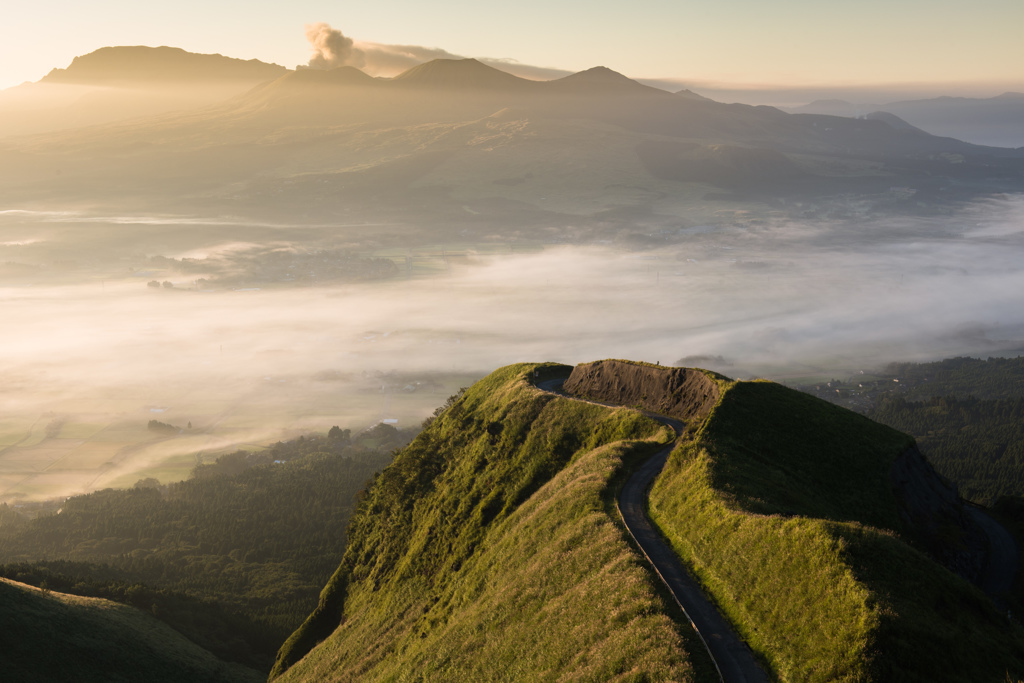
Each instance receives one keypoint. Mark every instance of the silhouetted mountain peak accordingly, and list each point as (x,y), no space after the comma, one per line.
(597,74)
(602,79)
(690,95)
(893,120)
(142,64)
(458,73)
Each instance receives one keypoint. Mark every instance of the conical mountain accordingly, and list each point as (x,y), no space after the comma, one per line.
(460,73)
(601,79)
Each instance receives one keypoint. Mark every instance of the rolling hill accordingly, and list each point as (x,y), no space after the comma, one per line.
(490,549)
(997,121)
(51,636)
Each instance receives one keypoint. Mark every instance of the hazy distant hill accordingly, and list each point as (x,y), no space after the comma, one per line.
(997,121)
(149,65)
(460,73)
(490,549)
(125,82)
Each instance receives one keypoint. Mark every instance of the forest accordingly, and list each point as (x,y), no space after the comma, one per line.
(965,413)
(233,557)
(978,443)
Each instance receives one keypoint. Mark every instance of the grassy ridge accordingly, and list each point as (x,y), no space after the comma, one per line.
(57,637)
(782,506)
(486,552)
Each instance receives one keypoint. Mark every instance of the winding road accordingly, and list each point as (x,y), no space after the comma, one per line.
(733,659)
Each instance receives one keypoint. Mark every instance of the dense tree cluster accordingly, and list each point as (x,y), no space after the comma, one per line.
(967,415)
(158,426)
(961,377)
(978,443)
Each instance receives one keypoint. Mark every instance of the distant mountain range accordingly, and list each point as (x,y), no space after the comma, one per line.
(997,121)
(459,142)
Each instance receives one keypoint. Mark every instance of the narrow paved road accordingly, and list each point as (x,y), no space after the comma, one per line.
(732,657)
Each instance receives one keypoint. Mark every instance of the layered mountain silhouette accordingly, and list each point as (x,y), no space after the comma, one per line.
(456,133)
(995,120)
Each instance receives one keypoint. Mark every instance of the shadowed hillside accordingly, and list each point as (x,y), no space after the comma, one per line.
(796,515)
(55,637)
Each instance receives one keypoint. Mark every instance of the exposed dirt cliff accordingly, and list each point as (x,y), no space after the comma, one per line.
(685,393)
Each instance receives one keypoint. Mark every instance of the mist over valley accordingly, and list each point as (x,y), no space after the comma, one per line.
(303,364)
(124,320)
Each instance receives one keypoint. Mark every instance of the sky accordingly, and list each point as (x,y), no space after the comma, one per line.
(950,46)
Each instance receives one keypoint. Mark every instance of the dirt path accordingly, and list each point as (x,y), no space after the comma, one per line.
(732,657)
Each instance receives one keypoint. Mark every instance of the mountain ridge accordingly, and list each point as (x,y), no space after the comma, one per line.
(149,65)
(803,569)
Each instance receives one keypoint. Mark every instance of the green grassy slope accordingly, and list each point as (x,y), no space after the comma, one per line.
(488,551)
(57,637)
(782,506)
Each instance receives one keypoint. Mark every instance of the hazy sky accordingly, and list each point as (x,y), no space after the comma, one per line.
(786,42)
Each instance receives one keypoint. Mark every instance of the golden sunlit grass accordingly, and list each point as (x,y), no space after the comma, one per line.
(509,564)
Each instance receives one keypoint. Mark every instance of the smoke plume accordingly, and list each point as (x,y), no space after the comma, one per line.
(331,48)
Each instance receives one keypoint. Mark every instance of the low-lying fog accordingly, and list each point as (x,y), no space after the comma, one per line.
(84,366)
